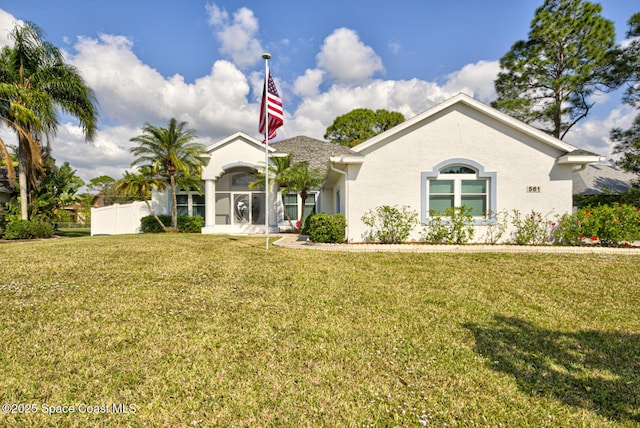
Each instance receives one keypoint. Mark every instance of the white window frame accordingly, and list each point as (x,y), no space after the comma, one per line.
(481,174)
(298,204)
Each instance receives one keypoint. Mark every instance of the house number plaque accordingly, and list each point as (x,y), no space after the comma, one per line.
(533,189)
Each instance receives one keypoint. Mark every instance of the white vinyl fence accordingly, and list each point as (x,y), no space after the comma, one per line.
(118,219)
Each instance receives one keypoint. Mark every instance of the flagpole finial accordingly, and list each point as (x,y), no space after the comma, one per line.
(266,55)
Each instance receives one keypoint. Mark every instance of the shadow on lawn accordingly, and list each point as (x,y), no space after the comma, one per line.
(595,370)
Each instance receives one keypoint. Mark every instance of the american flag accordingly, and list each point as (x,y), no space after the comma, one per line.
(274,108)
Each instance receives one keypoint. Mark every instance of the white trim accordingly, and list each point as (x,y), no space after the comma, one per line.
(570,159)
(541,136)
(491,177)
(234,137)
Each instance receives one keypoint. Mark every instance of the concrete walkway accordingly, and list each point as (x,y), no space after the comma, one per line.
(299,242)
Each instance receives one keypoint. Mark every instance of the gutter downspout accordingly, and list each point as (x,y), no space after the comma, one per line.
(346,197)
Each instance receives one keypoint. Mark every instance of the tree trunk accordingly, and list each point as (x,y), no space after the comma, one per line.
(286,213)
(154,214)
(303,197)
(174,202)
(23,184)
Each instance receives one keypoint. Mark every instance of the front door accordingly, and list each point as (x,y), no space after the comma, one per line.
(241,208)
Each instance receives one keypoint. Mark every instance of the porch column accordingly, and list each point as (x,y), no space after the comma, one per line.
(209,206)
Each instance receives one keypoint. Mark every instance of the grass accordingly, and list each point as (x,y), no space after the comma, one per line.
(197,330)
(73,232)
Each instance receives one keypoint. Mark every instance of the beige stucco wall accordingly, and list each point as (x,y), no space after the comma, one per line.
(392,170)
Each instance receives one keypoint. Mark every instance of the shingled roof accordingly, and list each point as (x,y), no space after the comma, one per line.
(596,177)
(307,149)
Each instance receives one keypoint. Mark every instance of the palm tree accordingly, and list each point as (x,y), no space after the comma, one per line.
(35,84)
(140,185)
(278,170)
(169,151)
(301,180)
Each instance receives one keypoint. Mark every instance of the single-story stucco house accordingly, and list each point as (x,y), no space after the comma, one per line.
(460,152)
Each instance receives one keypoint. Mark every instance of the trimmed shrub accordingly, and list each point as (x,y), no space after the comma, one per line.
(454,226)
(390,225)
(26,229)
(190,224)
(18,229)
(42,229)
(327,228)
(149,224)
(307,221)
(186,223)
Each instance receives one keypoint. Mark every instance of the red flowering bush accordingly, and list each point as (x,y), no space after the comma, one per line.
(607,225)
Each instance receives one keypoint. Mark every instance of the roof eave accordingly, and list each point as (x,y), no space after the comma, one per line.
(570,159)
(346,159)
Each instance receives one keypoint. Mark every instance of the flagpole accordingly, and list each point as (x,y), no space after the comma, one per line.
(266,57)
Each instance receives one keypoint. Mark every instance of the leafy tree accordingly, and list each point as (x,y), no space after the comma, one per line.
(627,141)
(56,190)
(140,185)
(35,84)
(547,80)
(301,179)
(361,124)
(100,185)
(169,152)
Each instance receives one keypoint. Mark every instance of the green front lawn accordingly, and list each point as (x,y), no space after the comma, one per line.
(197,330)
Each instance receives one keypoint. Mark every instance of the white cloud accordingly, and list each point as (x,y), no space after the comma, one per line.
(237,35)
(308,84)
(131,93)
(593,134)
(475,80)
(347,59)
(127,89)
(409,97)
(7,23)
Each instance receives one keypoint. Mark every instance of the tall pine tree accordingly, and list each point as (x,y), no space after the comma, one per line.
(547,80)
(627,141)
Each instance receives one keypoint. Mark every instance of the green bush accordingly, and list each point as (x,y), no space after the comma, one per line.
(186,224)
(149,224)
(454,226)
(42,229)
(630,196)
(606,225)
(327,228)
(532,228)
(26,229)
(190,224)
(390,225)
(306,223)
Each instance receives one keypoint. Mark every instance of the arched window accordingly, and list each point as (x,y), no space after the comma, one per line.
(455,183)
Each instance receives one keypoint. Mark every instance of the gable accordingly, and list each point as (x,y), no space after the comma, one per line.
(480,113)
(234,151)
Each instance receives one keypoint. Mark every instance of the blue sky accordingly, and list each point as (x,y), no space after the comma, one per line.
(199,61)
